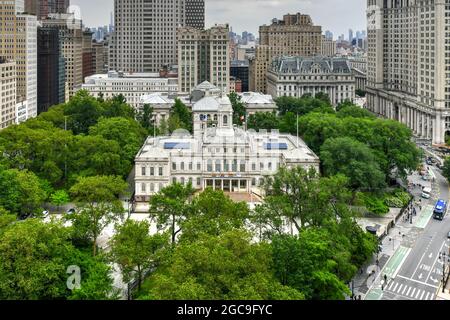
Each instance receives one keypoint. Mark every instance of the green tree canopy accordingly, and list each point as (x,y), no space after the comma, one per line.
(239,111)
(214,213)
(171,207)
(135,250)
(227,267)
(21,192)
(34,258)
(355,160)
(98,206)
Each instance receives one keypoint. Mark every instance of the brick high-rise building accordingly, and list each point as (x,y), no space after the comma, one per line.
(42,8)
(295,35)
(408,72)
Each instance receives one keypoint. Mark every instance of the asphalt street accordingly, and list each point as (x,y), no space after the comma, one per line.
(414,270)
(421,272)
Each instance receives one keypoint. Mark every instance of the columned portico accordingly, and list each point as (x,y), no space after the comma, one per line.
(227,184)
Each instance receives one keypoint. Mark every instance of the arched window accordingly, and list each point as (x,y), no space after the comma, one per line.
(215,117)
(225,121)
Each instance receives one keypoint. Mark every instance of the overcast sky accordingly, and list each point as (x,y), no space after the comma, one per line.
(334,15)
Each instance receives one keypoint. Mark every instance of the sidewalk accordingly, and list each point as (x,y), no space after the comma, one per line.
(397,236)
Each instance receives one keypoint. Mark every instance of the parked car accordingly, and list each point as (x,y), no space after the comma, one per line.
(448,235)
(426,193)
(71,211)
(45,214)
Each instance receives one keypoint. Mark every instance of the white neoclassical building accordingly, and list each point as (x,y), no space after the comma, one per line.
(131,85)
(218,154)
(297,76)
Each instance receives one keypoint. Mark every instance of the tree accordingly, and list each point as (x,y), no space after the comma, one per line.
(227,267)
(446,169)
(21,192)
(82,111)
(316,128)
(263,120)
(34,259)
(60,198)
(96,280)
(95,155)
(118,107)
(239,110)
(355,112)
(306,263)
(135,250)
(356,161)
(302,199)
(171,207)
(98,205)
(345,103)
(128,133)
(146,118)
(214,213)
(180,117)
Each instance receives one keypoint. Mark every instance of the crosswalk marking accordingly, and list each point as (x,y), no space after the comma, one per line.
(400,288)
(395,287)
(412,293)
(418,293)
(423,293)
(407,292)
(404,289)
(426,297)
(391,285)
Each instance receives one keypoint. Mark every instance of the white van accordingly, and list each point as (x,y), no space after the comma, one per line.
(426,193)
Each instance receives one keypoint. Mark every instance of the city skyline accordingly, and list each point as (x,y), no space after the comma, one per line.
(239,13)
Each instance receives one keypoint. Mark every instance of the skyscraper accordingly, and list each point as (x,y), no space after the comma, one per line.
(350,35)
(144,38)
(294,35)
(409,64)
(195,14)
(42,8)
(71,35)
(51,68)
(20,45)
(203,55)
(7,93)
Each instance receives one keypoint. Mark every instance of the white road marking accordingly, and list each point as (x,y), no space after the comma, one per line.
(418,293)
(423,293)
(395,287)
(404,289)
(400,288)
(420,282)
(409,290)
(440,250)
(426,297)
(390,286)
(414,291)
